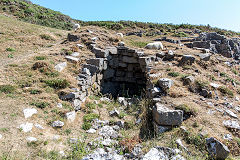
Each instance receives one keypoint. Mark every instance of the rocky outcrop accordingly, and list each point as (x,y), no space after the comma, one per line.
(217,43)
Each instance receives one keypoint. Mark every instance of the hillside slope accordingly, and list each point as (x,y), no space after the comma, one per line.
(35,14)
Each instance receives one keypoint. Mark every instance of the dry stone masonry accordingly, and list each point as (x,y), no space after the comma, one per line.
(217,43)
(116,70)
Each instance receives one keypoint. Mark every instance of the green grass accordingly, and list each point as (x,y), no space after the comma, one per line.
(202,84)
(90,117)
(35,91)
(40,105)
(138,44)
(57,83)
(36,14)
(87,119)
(226,91)
(10,56)
(47,37)
(187,109)
(174,74)
(10,49)
(7,89)
(180,34)
(40,58)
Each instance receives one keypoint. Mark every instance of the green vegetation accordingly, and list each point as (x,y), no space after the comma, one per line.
(40,105)
(90,117)
(138,44)
(57,83)
(28,12)
(10,49)
(10,56)
(180,34)
(202,84)
(226,91)
(87,119)
(47,37)
(35,91)
(79,150)
(7,89)
(173,74)
(40,57)
(187,109)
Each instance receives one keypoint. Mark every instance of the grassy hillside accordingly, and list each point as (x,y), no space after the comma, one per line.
(19,38)
(28,12)
(32,13)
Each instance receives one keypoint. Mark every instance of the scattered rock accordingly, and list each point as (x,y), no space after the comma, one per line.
(28,112)
(188,80)
(59,105)
(77,104)
(166,117)
(108,132)
(205,57)
(60,67)
(216,149)
(169,56)
(57,124)
(100,154)
(72,59)
(122,101)
(75,54)
(1,136)
(214,85)
(26,127)
(73,38)
(187,59)
(91,131)
(231,124)
(165,83)
(114,112)
(38,126)
(230,113)
(158,129)
(71,116)
(163,154)
(31,139)
(228,137)
(121,44)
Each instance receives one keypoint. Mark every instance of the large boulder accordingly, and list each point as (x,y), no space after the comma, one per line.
(155,45)
(166,117)
(187,59)
(216,149)
(205,56)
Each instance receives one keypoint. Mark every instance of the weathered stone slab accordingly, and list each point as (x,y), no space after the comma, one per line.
(166,117)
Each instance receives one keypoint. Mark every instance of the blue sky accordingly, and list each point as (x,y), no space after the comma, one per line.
(218,13)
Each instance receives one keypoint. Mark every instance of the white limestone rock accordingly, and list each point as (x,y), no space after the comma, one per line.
(28,112)
(60,67)
(26,127)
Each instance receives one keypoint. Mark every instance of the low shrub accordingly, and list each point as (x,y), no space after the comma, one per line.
(57,83)
(226,91)
(173,74)
(10,49)
(7,89)
(40,105)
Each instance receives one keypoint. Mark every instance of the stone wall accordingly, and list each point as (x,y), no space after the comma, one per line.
(118,71)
